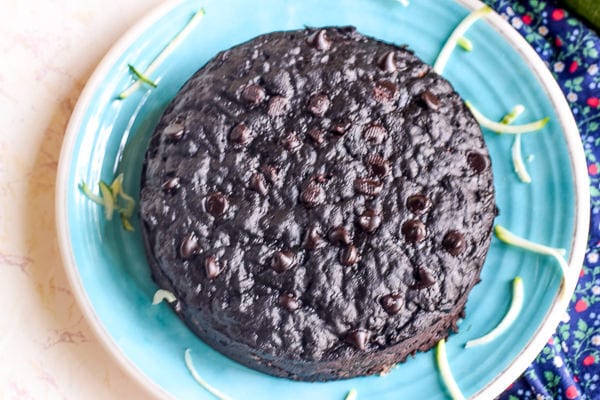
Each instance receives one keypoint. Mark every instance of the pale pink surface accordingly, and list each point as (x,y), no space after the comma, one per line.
(48,49)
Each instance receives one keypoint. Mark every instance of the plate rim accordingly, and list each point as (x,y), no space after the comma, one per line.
(577,159)
(569,130)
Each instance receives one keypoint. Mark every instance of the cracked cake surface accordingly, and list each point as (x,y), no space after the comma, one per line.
(319,202)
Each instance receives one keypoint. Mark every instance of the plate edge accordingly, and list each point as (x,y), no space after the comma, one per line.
(62,180)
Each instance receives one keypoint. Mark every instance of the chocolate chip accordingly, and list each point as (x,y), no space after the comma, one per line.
(271,173)
(414,231)
(171,184)
(319,40)
(340,235)
(349,255)
(241,134)
(313,239)
(418,204)
(278,105)
(375,133)
(454,242)
(368,187)
(321,178)
(392,303)
(212,267)
(312,195)
(174,131)
(358,338)
(423,279)
(292,142)
(341,127)
(318,104)
(282,261)
(253,94)
(369,220)
(289,302)
(379,165)
(430,100)
(190,246)
(316,135)
(216,204)
(259,184)
(387,62)
(477,162)
(385,91)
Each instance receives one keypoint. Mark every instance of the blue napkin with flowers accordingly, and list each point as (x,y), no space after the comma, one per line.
(569,365)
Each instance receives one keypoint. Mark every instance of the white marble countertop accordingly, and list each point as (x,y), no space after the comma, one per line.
(48,49)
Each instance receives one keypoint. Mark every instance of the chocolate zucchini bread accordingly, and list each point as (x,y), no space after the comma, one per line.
(319,202)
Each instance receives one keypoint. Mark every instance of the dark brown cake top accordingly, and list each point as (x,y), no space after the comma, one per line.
(322,198)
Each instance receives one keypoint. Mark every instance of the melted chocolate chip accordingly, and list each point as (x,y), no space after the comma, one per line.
(171,185)
(349,255)
(212,267)
(358,338)
(379,165)
(319,40)
(369,220)
(392,303)
(423,279)
(216,204)
(190,246)
(174,131)
(375,133)
(418,204)
(454,242)
(292,142)
(312,195)
(477,162)
(385,91)
(316,135)
(318,104)
(430,100)
(289,302)
(253,94)
(271,173)
(321,178)
(241,134)
(282,261)
(340,235)
(387,62)
(278,105)
(313,239)
(340,128)
(368,187)
(414,231)
(259,184)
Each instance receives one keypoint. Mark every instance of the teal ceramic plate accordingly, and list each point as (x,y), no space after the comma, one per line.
(107,266)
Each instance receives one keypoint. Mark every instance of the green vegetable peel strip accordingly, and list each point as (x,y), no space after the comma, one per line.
(510,238)
(513,114)
(517,157)
(190,365)
(164,53)
(509,318)
(464,43)
(141,76)
(109,199)
(459,31)
(499,127)
(518,164)
(445,372)
(352,395)
(162,294)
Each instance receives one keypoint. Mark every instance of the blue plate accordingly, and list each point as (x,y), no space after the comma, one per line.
(107,265)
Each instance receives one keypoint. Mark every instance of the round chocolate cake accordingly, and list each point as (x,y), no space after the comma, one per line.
(319,202)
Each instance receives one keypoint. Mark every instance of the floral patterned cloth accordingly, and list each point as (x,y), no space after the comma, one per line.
(569,365)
